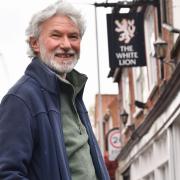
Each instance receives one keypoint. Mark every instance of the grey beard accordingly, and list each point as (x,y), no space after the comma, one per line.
(61,68)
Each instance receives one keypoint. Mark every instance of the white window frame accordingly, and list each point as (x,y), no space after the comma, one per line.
(175,11)
(149,28)
(157,156)
(150,176)
(162,173)
(140,80)
(126,92)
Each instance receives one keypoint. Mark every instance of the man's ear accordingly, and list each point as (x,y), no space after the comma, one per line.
(34,44)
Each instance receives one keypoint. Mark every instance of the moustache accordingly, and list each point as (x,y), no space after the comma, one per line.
(63,52)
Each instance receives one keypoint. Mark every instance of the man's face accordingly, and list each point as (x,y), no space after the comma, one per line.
(58,44)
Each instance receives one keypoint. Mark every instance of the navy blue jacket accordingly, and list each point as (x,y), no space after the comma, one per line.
(31,136)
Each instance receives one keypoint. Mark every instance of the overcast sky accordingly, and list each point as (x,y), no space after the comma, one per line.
(14,18)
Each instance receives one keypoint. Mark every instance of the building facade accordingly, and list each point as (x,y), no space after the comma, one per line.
(151,97)
(107,120)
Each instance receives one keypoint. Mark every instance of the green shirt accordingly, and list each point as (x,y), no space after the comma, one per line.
(75,135)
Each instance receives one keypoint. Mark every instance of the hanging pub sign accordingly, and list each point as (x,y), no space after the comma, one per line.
(126,40)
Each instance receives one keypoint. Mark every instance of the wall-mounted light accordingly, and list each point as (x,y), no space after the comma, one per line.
(107,114)
(160,47)
(124,117)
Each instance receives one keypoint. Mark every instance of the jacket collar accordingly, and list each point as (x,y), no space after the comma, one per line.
(48,79)
(41,73)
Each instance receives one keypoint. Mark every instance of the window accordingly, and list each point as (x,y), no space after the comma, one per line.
(165,11)
(149,177)
(140,83)
(161,149)
(135,167)
(175,9)
(163,172)
(126,91)
(150,39)
(153,162)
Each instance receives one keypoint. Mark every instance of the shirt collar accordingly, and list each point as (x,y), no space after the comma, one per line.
(75,79)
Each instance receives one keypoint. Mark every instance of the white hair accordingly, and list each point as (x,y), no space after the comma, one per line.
(59,8)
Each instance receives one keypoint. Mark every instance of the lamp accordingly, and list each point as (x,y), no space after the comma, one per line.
(124,117)
(160,47)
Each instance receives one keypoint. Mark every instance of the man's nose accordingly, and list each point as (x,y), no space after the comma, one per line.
(65,43)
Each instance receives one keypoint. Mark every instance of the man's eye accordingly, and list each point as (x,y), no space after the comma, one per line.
(55,35)
(74,37)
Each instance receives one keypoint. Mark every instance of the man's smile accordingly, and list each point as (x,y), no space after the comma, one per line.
(64,55)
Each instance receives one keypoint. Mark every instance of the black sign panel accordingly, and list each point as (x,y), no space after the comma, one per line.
(126,40)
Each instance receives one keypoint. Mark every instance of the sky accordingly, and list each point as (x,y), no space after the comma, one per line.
(14,18)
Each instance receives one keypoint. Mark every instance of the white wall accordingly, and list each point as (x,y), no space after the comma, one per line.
(176,15)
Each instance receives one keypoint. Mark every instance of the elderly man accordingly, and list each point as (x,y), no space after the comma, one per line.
(45,132)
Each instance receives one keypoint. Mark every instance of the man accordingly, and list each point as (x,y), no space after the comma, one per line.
(45,132)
